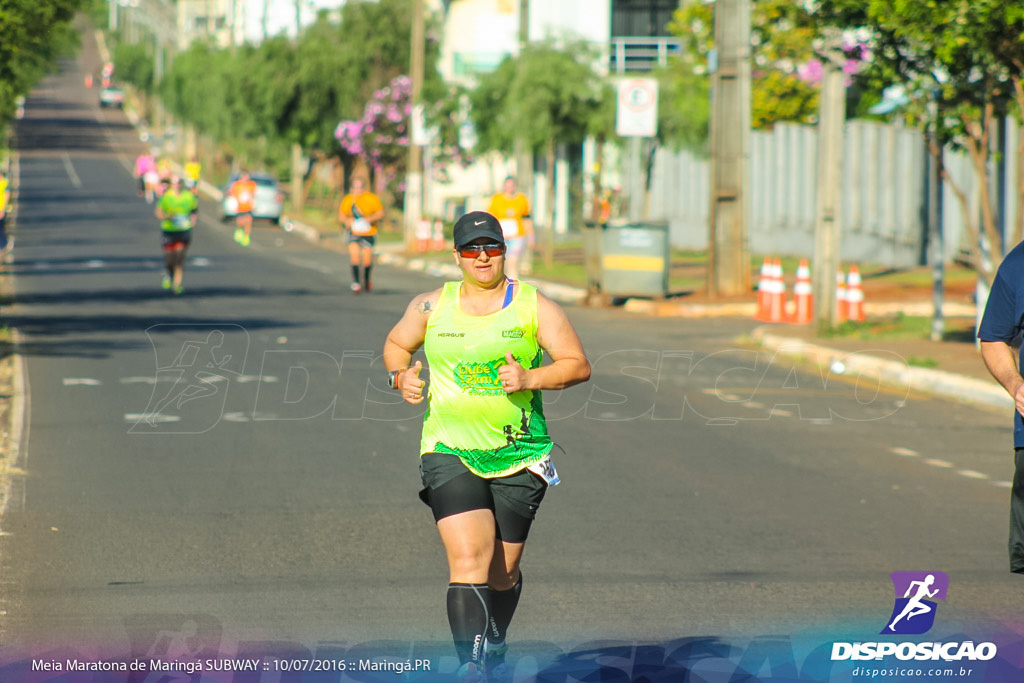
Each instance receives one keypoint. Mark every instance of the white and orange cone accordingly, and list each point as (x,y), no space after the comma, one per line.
(803,296)
(855,295)
(764,290)
(842,303)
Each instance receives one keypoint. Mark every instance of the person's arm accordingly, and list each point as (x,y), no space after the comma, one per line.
(1001,361)
(558,338)
(345,216)
(378,213)
(404,340)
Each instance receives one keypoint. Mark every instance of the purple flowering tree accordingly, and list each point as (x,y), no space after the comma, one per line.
(381,137)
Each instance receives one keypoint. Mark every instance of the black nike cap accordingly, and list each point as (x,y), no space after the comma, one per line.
(474,225)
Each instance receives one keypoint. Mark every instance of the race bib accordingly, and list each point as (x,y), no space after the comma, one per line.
(244,197)
(545,469)
(361,226)
(182,222)
(509,227)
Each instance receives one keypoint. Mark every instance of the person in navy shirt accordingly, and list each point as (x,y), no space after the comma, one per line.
(1001,326)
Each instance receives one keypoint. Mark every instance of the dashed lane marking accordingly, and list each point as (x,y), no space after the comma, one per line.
(81,381)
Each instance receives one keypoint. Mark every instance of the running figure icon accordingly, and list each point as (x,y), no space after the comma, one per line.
(915,606)
(198,367)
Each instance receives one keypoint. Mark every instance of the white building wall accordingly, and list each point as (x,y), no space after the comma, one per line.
(478,35)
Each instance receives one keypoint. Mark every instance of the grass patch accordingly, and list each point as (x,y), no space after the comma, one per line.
(900,327)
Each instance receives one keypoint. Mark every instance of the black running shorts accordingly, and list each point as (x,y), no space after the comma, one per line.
(450,488)
(176,239)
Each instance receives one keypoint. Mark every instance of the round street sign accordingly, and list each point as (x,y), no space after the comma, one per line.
(637,111)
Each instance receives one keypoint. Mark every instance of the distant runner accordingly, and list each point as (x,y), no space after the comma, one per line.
(6,243)
(359,212)
(177,213)
(244,192)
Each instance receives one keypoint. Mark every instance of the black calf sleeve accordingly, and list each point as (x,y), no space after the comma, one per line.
(503,607)
(469,616)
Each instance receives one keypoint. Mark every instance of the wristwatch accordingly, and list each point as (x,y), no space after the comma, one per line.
(392,378)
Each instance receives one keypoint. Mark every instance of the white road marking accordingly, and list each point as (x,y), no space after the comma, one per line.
(138,380)
(973,474)
(935,462)
(75,180)
(899,450)
(81,381)
(149,417)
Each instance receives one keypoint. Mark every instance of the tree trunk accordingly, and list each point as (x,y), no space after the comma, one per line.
(549,218)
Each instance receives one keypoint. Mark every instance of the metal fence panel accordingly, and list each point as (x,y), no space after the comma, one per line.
(883,216)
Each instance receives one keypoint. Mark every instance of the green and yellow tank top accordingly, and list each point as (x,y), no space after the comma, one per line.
(468,413)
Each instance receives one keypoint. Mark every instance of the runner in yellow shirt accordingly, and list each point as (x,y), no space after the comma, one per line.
(192,171)
(6,243)
(484,450)
(512,209)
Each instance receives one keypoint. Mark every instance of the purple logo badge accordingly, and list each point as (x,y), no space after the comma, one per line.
(914,611)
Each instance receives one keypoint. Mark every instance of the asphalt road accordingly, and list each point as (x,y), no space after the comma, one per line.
(226,466)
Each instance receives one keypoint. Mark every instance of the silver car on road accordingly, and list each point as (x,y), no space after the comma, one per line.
(268,203)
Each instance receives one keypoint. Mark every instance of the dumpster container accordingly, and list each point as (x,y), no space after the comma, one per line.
(635,259)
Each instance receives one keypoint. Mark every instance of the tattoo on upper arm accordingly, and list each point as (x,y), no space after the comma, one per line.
(425,307)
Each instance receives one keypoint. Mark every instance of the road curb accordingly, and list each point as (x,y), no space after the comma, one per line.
(893,370)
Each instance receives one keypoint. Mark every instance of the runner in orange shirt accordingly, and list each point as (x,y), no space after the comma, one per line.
(359,212)
(244,192)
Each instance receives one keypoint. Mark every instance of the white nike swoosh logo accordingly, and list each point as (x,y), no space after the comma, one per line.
(479,222)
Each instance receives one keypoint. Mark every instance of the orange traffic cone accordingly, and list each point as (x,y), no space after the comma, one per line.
(854,295)
(803,299)
(842,305)
(88,80)
(775,301)
(763,290)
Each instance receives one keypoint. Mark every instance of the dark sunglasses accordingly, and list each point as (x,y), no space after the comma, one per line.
(473,250)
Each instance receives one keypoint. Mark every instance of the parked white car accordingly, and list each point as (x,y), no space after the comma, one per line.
(112,96)
(268,203)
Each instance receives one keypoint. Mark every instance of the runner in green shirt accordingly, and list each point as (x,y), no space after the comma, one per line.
(485,450)
(176,210)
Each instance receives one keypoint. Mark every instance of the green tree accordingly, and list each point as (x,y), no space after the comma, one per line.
(134,65)
(961,64)
(549,95)
(784,72)
(33,33)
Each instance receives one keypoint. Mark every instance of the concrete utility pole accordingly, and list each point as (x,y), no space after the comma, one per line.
(413,209)
(524,156)
(831,123)
(728,250)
